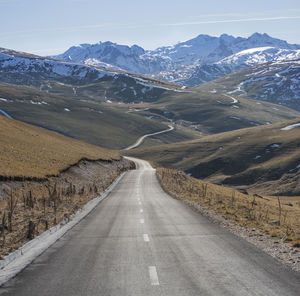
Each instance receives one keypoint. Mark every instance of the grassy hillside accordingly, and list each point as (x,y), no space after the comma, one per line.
(263,159)
(28,151)
(92,114)
(211,113)
(89,113)
(214,113)
(92,122)
(128,88)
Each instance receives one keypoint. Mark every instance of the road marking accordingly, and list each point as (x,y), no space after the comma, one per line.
(140,203)
(146,237)
(142,221)
(153,276)
(141,210)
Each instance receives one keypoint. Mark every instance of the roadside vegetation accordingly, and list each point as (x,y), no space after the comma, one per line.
(30,208)
(272,216)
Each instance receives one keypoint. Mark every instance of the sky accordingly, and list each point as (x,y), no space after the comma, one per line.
(47,27)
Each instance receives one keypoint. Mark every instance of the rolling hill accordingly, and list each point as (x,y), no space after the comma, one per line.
(32,152)
(210,113)
(116,125)
(92,122)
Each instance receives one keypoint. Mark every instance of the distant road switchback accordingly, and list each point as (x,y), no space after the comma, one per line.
(140,241)
(141,139)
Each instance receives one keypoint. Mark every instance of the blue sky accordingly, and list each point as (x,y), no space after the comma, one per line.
(49,27)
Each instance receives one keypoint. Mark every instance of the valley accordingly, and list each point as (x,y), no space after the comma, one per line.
(86,120)
(150,149)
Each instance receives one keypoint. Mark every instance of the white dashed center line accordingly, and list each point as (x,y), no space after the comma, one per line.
(146,237)
(142,221)
(153,276)
(141,210)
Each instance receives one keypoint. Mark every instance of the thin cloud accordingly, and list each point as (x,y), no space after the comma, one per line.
(217,15)
(278,18)
(62,30)
(145,25)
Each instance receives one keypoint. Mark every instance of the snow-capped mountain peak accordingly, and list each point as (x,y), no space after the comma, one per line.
(131,58)
(254,56)
(209,55)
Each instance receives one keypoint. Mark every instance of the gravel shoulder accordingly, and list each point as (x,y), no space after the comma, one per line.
(273,246)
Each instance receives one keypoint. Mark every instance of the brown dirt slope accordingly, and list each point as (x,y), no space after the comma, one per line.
(30,152)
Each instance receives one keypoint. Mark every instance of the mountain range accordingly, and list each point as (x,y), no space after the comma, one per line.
(48,74)
(259,67)
(73,94)
(189,63)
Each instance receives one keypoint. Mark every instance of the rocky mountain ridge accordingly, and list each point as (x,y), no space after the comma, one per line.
(189,63)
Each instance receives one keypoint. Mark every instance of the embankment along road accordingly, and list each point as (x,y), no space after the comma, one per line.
(140,241)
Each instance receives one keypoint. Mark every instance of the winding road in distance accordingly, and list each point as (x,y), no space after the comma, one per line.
(141,139)
(140,241)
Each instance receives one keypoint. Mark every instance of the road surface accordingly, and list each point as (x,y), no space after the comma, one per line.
(141,139)
(139,241)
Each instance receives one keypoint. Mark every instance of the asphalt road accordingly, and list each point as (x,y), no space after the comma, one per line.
(141,139)
(139,241)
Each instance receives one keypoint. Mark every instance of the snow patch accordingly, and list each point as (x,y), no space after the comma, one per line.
(289,127)
(254,123)
(275,146)
(234,117)
(36,102)
(295,169)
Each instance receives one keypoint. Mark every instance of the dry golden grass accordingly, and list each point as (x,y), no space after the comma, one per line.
(270,215)
(31,152)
